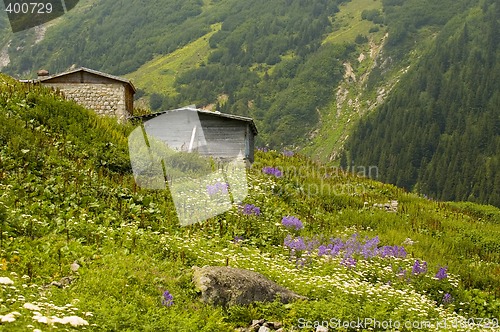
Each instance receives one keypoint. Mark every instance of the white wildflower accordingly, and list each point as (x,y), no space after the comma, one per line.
(41,319)
(9,318)
(31,306)
(6,281)
(74,321)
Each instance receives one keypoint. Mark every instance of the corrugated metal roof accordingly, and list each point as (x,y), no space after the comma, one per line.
(88,70)
(193,109)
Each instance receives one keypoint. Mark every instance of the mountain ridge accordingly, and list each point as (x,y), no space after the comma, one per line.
(282,63)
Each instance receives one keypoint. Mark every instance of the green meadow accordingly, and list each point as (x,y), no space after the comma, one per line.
(83,248)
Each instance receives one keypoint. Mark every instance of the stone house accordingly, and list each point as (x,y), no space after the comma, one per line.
(105,94)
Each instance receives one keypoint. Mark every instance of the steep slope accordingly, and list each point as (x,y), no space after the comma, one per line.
(117,37)
(260,48)
(81,243)
(390,39)
(306,71)
(158,75)
(439,132)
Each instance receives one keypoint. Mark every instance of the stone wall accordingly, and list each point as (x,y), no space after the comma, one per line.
(104,99)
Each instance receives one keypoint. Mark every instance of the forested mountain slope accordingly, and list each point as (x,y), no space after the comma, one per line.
(307,72)
(439,131)
(254,59)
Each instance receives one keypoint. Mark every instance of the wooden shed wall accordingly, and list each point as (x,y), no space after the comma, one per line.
(129,100)
(221,137)
(226,137)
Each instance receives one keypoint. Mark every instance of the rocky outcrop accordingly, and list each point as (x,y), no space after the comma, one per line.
(391,206)
(220,285)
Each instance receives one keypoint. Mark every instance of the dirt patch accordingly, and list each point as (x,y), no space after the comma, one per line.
(376,48)
(4,56)
(349,72)
(40,33)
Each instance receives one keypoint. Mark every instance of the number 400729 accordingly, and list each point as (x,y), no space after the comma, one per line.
(29,8)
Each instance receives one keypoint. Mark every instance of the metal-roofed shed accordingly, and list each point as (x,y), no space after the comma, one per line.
(216,134)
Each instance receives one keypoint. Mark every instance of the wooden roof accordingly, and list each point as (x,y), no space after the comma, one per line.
(90,71)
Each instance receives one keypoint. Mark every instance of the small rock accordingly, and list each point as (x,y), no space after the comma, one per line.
(258,321)
(42,72)
(276,325)
(254,328)
(321,329)
(264,329)
(74,267)
(65,281)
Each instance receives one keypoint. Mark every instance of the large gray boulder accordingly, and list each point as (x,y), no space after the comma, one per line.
(221,285)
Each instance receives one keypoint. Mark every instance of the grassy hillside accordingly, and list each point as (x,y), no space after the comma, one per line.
(349,22)
(158,75)
(71,216)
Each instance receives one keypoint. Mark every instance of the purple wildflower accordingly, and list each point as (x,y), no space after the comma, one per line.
(419,268)
(168,299)
(352,246)
(447,299)
(369,249)
(296,244)
(217,187)
(348,262)
(441,274)
(385,251)
(312,244)
(250,209)
(336,246)
(237,239)
(292,222)
(288,153)
(400,252)
(272,171)
(323,250)
(392,251)
(300,263)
